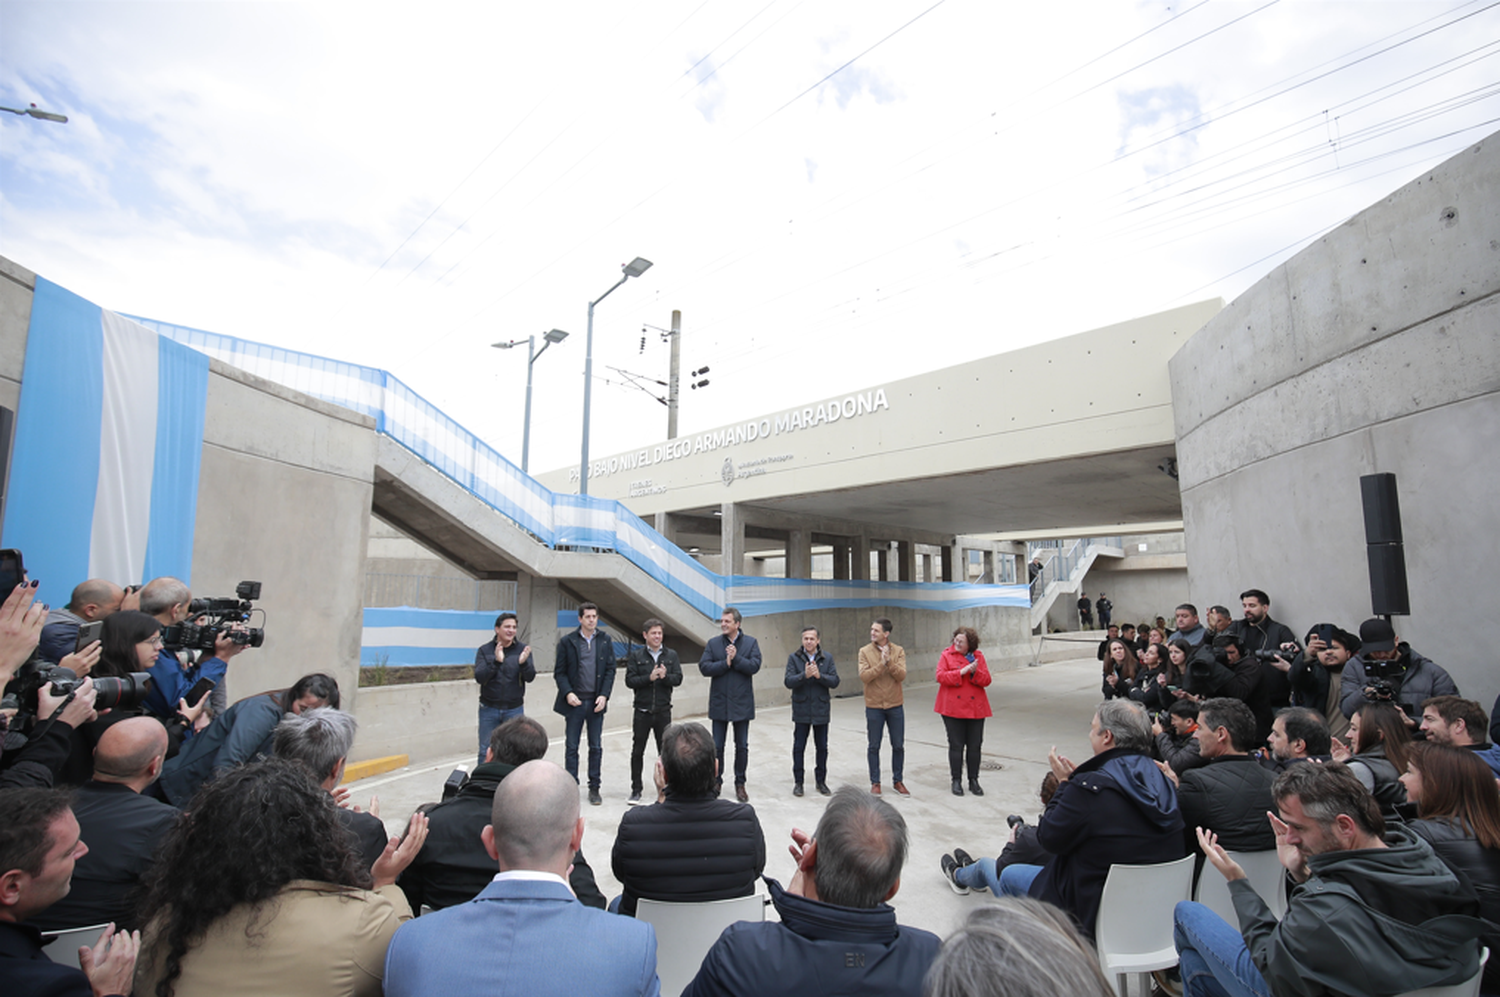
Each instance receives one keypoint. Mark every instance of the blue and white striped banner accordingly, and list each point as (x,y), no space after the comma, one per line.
(754,596)
(109,437)
(398,636)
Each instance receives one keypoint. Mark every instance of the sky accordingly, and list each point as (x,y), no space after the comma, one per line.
(834,194)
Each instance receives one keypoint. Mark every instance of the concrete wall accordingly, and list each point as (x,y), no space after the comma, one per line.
(16,287)
(436,720)
(1139,592)
(1375,349)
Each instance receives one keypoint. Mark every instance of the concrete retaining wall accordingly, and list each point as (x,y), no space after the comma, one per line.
(1375,349)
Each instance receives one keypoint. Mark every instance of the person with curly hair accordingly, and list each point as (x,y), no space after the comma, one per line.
(258,890)
(963,704)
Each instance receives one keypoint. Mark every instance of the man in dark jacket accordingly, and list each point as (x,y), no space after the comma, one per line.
(1258,632)
(810,673)
(689,846)
(1377,911)
(1317,673)
(453,867)
(502,668)
(1231,794)
(1299,734)
(729,660)
(835,920)
(1176,743)
(1115,807)
(585,674)
(1386,668)
(653,672)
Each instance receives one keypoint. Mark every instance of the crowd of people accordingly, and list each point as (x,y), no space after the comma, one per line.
(216,845)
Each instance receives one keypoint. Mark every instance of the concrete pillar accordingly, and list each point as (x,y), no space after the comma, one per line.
(950,558)
(537,605)
(989,566)
(664,526)
(860,556)
(927,568)
(883,562)
(841,560)
(906,557)
(731,540)
(798,554)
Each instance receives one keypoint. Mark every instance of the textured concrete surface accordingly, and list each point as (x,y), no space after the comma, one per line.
(1035,708)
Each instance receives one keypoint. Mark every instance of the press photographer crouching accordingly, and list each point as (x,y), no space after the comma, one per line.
(1386,670)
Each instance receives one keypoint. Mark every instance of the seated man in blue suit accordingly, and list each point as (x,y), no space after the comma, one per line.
(499,941)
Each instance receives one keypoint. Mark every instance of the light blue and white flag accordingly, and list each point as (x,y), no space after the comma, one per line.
(109,437)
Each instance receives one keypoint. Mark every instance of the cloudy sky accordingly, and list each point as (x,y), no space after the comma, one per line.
(833,193)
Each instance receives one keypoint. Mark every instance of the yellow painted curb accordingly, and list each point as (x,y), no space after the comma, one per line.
(355,771)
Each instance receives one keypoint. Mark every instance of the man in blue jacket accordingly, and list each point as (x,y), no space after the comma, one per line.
(585,674)
(729,661)
(810,674)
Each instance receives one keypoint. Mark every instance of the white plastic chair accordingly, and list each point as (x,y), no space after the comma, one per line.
(62,946)
(1468,988)
(685,933)
(1267,877)
(1134,929)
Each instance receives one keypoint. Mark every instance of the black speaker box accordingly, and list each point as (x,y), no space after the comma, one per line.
(1382,509)
(1388,594)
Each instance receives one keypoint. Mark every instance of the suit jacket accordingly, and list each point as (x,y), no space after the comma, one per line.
(565,671)
(123,830)
(522,938)
(731,690)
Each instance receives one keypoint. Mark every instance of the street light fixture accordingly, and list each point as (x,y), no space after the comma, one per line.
(634,268)
(551,336)
(42,115)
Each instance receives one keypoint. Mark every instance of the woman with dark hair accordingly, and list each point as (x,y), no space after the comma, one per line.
(258,889)
(1459,816)
(1120,666)
(1151,680)
(1377,752)
(963,705)
(129,641)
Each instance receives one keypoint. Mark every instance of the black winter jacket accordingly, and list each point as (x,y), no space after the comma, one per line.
(453,867)
(1179,752)
(1229,796)
(1481,866)
(1422,680)
(731,687)
(502,685)
(565,671)
(652,697)
(688,849)
(810,696)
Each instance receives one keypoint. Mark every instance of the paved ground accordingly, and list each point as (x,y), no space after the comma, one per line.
(1035,708)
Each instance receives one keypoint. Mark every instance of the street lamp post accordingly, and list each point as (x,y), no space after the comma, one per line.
(38,113)
(551,336)
(634,268)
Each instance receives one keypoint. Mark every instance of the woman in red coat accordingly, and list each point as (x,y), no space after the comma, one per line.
(963,705)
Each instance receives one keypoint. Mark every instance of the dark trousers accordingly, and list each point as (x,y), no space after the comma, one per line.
(577,718)
(741,747)
(876,721)
(645,722)
(964,734)
(820,751)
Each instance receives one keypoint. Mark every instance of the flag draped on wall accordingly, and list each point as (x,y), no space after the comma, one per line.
(109,436)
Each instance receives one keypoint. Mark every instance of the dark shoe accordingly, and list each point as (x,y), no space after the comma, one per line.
(823,788)
(958,788)
(740,794)
(875,788)
(962,857)
(594,797)
(797,789)
(900,787)
(974,787)
(1162,982)
(635,798)
(949,867)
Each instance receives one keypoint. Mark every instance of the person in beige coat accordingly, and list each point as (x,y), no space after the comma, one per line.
(882,669)
(260,890)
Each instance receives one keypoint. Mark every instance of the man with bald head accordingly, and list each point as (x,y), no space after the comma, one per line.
(526,930)
(121,826)
(92,601)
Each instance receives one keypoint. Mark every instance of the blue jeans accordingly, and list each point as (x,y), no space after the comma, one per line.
(1213,956)
(491,717)
(576,718)
(983,875)
(1015,879)
(875,723)
(741,747)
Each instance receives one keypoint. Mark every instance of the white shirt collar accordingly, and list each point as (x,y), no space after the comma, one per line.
(531,876)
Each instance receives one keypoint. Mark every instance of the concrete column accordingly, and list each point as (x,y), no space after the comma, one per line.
(860,555)
(664,525)
(989,566)
(798,554)
(950,558)
(906,556)
(841,560)
(927,568)
(731,540)
(883,562)
(537,604)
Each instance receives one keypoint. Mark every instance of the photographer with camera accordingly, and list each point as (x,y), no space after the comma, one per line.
(171,602)
(1389,671)
(1271,643)
(91,602)
(1317,673)
(34,753)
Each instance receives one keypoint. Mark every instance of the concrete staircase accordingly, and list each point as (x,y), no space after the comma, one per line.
(1063,571)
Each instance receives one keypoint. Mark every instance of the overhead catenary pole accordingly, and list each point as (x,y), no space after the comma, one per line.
(672,377)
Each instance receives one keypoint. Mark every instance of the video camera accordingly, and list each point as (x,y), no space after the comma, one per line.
(1384,679)
(223,614)
(1275,652)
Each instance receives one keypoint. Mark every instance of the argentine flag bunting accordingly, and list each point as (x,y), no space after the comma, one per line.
(109,436)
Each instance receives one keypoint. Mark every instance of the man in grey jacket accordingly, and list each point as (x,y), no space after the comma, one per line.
(1375,911)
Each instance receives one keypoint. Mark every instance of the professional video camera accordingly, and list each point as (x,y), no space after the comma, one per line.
(222,615)
(1275,652)
(1384,679)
